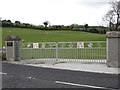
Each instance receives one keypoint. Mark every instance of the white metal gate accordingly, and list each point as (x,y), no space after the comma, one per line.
(87,51)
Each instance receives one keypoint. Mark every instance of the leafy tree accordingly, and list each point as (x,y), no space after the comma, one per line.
(9,21)
(6,23)
(46,23)
(86,27)
(4,20)
(17,22)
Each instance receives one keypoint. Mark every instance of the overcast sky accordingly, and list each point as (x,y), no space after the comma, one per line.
(57,12)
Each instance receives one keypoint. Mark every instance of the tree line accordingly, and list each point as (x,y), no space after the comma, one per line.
(47,26)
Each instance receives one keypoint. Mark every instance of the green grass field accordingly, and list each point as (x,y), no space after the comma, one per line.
(32,35)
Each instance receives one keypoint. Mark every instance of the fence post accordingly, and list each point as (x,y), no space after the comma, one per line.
(13,48)
(56,51)
(113,49)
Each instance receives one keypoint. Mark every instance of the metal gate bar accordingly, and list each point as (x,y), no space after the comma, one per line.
(87,51)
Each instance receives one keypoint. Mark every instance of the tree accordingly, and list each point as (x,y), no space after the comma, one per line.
(109,19)
(17,22)
(112,17)
(46,23)
(9,21)
(86,27)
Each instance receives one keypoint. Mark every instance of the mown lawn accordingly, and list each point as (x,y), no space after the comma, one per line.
(32,35)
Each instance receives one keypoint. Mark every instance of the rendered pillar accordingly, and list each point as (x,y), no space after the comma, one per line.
(113,49)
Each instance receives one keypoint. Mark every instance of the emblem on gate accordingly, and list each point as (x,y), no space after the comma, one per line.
(63,45)
(80,44)
(35,45)
(43,45)
(54,44)
(90,45)
(70,45)
(50,45)
(29,45)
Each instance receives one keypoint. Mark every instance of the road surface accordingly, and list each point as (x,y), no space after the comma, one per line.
(22,76)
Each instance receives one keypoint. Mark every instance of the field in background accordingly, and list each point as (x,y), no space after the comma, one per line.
(32,35)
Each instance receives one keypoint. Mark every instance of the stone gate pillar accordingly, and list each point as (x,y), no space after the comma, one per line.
(113,49)
(13,48)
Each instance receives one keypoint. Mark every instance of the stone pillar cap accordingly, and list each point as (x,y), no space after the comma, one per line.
(113,34)
(13,38)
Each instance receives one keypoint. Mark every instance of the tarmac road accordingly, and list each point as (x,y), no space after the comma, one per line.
(22,76)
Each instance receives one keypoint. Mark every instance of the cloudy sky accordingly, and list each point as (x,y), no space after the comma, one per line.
(57,12)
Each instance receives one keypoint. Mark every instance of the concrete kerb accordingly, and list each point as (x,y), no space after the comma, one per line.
(85,67)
